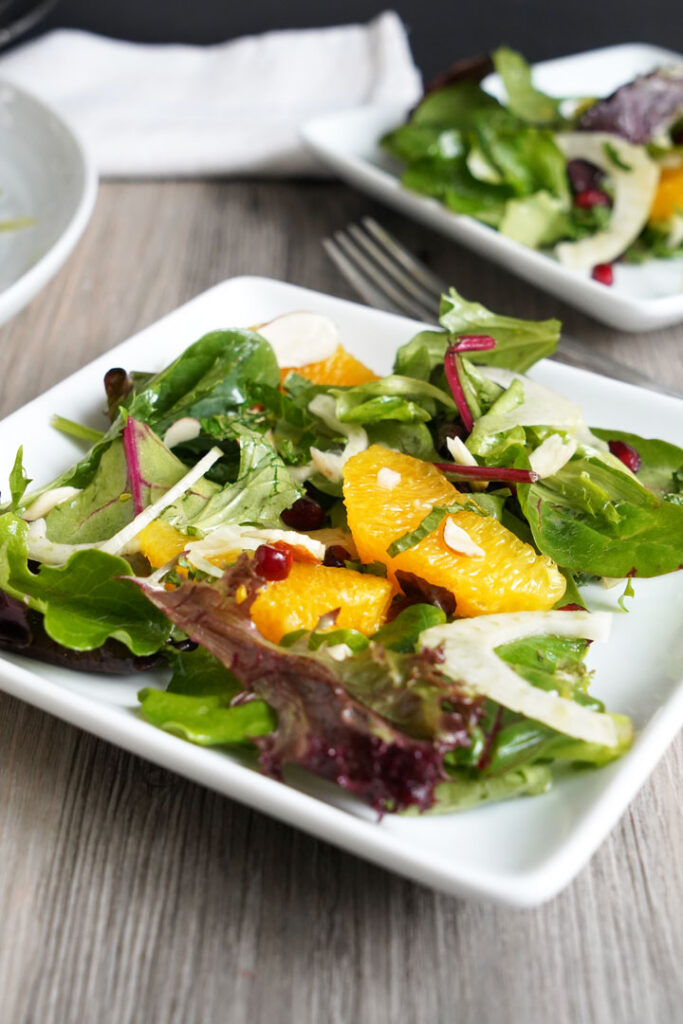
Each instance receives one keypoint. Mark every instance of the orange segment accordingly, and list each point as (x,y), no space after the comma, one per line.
(510,577)
(340,368)
(669,195)
(312,590)
(160,542)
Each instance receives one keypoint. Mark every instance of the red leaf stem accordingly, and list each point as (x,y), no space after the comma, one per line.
(505,474)
(130,448)
(453,368)
(473,343)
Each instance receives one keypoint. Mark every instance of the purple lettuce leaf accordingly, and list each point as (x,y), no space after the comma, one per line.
(641,109)
(22,631)
(322,725)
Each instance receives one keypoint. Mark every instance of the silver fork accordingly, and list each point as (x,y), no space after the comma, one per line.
(386,275)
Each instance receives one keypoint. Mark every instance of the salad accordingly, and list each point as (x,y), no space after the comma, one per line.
(590,181)
(374,578)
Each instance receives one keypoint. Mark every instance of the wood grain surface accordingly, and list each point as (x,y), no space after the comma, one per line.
(128,894)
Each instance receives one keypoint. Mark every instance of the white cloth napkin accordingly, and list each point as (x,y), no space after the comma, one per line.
(234,108)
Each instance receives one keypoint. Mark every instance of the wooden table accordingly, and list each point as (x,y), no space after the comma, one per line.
(131,895)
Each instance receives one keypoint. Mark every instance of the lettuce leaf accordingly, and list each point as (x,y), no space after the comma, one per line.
(527,159)
(18,481)
(535,220)
(662,462)
(391,398)
(208,721)
(521,741)
(402,633)
(214,375)
(519,343)
(462,792)
(263,489)
(197,704)
(328,713)
(452,182)
(454,105)
(523,99)
(640,110)
(85,602)
(106,504)
(22,631)
(595,518)
(198,673)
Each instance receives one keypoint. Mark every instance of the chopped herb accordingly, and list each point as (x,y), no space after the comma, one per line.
(430,523)
(612,154)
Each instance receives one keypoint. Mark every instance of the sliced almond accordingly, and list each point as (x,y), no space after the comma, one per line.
(301,338)
(459,540)
(184,429)
(460,453)
(551,455)
(388,478)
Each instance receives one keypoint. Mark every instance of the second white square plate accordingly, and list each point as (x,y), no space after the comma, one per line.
(642,298)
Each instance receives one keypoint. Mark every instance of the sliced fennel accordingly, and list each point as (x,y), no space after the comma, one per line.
(634,191)
(48,500)
(114,545)
(226,539)
(552,454)
(53,553)
(526,403)
(301,338)
(331,464)
(469,657)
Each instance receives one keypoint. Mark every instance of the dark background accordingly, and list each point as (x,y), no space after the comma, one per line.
(440,31)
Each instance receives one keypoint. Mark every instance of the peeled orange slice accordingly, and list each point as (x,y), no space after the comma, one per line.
(339,368)
(505,575)
(669,195)
(311,591)
(160,542)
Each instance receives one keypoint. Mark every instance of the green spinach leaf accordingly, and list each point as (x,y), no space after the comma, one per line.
(519,343)
(523,99)
(85,601)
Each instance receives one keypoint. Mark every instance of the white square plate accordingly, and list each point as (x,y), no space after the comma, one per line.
(642,297)
(521,852)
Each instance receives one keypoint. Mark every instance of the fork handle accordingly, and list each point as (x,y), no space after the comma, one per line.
(575,353)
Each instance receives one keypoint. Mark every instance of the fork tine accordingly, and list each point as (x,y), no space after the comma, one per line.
(367,291)
(420,272)
(405,279)
(380,279)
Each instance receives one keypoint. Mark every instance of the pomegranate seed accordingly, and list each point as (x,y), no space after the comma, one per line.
(603,274)
(337,556)
(627,454)
(571,608)
(590,197)
(305,514)
(272,563)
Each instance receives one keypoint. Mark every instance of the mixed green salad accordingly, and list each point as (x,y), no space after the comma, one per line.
(375,578)
(590,180)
